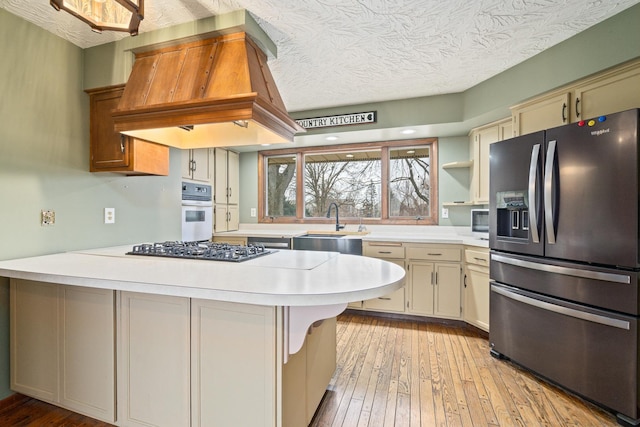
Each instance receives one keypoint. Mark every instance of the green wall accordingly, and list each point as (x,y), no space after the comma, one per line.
(44,164)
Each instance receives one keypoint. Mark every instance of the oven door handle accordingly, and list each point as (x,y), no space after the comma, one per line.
(567,271)
(590,317)
(197,203)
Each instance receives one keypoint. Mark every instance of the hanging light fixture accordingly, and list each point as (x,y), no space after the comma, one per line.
(110,15)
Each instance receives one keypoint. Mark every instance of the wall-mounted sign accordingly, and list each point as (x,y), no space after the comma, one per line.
(339,120)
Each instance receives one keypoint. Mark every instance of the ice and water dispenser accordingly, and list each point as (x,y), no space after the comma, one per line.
(512,209)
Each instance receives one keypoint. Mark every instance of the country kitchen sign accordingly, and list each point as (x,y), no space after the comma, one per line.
(339,120)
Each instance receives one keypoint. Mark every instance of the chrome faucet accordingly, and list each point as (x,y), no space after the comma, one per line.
(338,226)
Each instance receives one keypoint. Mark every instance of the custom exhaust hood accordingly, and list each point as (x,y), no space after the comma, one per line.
(207,93)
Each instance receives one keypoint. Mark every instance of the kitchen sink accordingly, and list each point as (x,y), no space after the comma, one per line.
(328,242)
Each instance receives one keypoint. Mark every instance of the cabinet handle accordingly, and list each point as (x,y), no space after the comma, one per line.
(385,298)
(464,281)
(229,192)
(577,110)
(480,259)
(384,252)
(122,143)
(195,165)
(434,254)
(436,278)
(564,112)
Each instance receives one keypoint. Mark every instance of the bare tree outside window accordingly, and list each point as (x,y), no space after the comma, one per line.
(409,182)
(352,180)
(281,191)
(388,182)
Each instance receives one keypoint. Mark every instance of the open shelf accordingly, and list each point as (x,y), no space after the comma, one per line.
(453,165)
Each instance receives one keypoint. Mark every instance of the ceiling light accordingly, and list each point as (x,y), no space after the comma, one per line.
(331,138)
(411,152)
(408,131)
(110,15)
(349,156)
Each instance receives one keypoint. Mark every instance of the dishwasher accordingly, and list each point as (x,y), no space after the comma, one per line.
(270,242)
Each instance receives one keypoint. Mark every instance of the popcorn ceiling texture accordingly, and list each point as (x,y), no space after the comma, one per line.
(342,52)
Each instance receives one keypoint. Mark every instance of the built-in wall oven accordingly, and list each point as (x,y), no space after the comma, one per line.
(197,212)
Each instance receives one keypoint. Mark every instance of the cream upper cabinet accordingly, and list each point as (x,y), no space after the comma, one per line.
(227,177)
(197,164)
(542,113)
(480,140)
(613,92)
(226,190)
(609,92)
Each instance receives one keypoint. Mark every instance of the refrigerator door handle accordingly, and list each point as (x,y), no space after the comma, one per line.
(590,317)
(533,207)
(548,192)
(566,271)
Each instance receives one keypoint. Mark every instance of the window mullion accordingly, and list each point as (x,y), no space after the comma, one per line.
(300,199)
(384,184)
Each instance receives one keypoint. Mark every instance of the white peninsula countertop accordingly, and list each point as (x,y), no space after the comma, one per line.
(282,278)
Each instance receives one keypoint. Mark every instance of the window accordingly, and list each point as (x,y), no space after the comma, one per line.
(390,182)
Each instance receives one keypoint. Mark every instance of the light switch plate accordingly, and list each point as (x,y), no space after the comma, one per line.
(445,213)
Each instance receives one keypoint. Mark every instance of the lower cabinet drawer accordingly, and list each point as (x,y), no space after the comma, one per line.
(383,250)
(433,253)
(476,257)
(391,302)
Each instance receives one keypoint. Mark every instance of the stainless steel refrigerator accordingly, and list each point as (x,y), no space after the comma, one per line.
(565,260)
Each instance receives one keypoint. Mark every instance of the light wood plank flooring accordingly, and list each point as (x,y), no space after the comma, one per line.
(403,373)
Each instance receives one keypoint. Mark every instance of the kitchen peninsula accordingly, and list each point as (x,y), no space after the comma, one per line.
(179,342)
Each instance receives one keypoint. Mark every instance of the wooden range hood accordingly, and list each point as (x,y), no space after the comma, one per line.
(207,93)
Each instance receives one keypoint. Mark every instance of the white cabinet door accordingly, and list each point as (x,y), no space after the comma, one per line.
(34,339)
(233,364)
(476,301)
(233,177)
(482,138)
(220,176)
(448,298)
(196,165)
(421,287)
(226,187)
(542,113)
(617,91)
(87,358)
(154,363)
(62,346)
(435,289)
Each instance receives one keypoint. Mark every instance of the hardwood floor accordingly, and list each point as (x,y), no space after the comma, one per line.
(404,373)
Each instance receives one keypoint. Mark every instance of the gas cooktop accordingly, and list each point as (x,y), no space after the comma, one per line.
(204,250)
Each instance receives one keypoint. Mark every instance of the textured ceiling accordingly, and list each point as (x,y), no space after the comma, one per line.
(342,52)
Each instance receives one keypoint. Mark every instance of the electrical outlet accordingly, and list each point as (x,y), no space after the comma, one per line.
(445,213)
(253,212)
(109,215)
(47,217)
